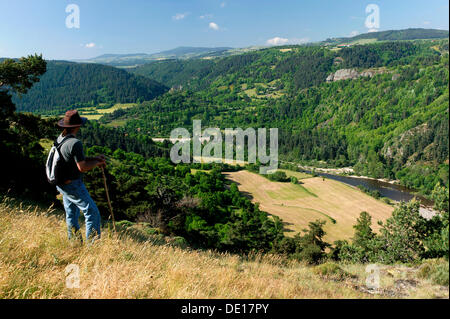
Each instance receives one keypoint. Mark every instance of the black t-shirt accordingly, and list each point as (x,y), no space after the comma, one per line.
(72,152)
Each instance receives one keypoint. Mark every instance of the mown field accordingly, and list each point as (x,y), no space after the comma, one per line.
(94,113)
(314,198)
(35,252)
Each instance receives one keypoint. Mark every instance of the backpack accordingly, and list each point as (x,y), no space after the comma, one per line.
(55,162)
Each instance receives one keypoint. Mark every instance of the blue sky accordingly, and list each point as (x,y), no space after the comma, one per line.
(148,26)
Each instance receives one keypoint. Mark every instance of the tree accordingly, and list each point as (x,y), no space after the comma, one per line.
(402,235)
(18,76)
(364,244)
(22,74)
(19,133)
(440,196)
(437,243)
(363,230)
(310,246)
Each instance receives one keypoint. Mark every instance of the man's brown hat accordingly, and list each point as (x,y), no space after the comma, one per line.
(72,119)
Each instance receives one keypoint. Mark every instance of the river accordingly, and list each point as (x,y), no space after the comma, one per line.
(391,191)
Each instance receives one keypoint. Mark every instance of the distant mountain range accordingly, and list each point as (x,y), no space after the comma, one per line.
(182,53)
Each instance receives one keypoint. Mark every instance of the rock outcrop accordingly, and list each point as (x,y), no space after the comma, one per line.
(346,74)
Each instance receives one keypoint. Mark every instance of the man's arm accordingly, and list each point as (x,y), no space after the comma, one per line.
(86,164)
(90,163)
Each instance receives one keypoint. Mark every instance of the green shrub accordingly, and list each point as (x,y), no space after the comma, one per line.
(309,246)
(374,193)
(311,254)
(152,231)
(331,270)
(180,242)
(436,242)
(124,224)
(402,235)
(285,245)
(436,270)
(278,176)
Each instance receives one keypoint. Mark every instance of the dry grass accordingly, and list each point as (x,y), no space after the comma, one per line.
(34,253)
(315,198)
(298,175)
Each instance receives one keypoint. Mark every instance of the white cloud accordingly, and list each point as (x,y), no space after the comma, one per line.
(354,33)
(206,16)
(180,16)
(213,26)
(277,41)
(284,41)
(89,45)
(223,4)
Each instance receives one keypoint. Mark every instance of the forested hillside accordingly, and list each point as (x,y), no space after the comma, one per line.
(393,35)
(390,120)
(174,72)
(296,66)
(66,83)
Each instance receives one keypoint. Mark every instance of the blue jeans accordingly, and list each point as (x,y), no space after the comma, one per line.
(75,198)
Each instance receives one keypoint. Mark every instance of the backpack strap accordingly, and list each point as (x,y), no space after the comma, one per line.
(66,138)
(58,145)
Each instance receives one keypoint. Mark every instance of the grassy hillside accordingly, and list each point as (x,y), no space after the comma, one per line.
(314,198)
(66,84)
(35,253)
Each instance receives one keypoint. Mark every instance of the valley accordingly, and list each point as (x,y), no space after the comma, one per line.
(355,104)
(373,105)
(195,155)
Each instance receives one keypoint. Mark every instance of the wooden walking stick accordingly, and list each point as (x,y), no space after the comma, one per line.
(107,197)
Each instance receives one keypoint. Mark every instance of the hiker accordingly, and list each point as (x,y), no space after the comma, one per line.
(70,183)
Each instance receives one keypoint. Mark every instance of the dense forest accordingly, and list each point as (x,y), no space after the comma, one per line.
(66,83)
(95,134)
